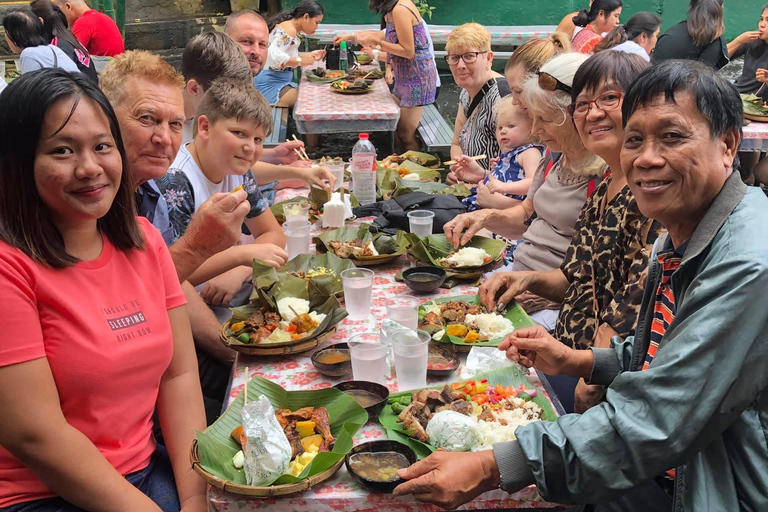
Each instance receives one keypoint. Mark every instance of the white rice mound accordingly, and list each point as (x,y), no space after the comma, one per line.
(490,326)
(469,257)
(495,432)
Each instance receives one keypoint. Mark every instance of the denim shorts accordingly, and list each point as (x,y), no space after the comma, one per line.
(156,481)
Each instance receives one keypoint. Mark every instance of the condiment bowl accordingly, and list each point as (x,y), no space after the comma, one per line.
(424,279)
(372,387)
(383,445)
(339,369)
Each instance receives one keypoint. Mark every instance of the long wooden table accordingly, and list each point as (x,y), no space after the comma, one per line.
(296,372)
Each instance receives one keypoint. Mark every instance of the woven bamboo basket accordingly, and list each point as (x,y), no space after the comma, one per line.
(258,492)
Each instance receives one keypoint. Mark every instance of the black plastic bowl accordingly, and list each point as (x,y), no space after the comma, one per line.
(424,279)
(336,369)
(383,445)
(371,387)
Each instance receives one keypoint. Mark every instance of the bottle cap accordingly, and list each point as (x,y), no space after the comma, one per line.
(343,45)
(364,136)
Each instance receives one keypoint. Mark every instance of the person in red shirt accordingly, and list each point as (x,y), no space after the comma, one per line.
(95,30)
(96,334)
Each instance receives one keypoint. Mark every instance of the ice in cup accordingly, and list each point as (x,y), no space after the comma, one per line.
(358,288)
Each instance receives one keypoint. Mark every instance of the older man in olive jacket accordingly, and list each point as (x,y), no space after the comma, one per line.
(686,397)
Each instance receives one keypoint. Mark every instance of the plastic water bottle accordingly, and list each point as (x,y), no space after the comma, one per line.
(363,169)
(343,56)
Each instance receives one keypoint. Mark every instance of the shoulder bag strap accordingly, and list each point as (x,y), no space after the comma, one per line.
(479,97)
(55,57)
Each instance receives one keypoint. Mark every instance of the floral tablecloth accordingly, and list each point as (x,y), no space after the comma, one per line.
(320,110)
(755,137)
(296,372)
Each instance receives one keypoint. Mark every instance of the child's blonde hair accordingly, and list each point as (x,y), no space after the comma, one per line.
(228,98)
(506,106)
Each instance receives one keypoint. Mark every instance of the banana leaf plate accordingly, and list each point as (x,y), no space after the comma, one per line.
(211,453)
(312,77)
(390,248)
(429,250)
(510,376)
(513,312)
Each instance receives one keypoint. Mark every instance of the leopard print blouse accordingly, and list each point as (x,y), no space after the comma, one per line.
(620,244)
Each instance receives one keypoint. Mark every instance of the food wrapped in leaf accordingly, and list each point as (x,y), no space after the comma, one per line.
(437,250)
(386,244)
(359,244)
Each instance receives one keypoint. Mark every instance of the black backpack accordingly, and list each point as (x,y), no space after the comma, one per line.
(392,214)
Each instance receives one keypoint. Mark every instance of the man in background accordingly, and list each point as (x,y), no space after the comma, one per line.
(95,30)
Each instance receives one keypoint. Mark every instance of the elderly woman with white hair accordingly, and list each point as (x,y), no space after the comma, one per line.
(568,173)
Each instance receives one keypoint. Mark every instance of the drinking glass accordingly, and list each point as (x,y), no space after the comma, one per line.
(404,310)
(411,354)
(297,237)
(338,172)
(369,358)
(420,222)
(296,211)
(358,288)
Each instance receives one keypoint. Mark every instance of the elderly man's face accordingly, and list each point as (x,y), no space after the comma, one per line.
(151,120)
(252,34)
(674,166)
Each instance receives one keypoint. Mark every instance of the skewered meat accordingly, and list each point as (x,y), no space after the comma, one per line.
(323,425)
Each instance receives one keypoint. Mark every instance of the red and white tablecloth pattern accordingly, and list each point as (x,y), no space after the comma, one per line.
(317,102)
(755,137)
(295,372)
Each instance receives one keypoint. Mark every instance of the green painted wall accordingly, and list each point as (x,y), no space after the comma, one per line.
(740,15)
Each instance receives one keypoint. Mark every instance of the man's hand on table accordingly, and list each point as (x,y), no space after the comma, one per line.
(434,479)
(534,347)
(462,228)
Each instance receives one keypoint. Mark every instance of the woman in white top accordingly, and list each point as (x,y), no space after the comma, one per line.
(275,81)
(637,36)
(25,35)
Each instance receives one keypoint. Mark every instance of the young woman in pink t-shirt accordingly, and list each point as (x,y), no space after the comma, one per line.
(95,329)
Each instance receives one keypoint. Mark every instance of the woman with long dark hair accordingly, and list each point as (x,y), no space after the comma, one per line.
(405,40)
(58,33)
(25,35)
(275,81)
(699,37)
(96,335)
(637,36)
(601,17)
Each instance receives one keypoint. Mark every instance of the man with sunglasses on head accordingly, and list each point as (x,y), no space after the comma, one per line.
(687,394)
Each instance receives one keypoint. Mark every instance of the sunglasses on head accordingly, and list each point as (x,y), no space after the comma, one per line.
(550,83)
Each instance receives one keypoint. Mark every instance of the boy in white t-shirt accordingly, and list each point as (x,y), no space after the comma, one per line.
(232,121)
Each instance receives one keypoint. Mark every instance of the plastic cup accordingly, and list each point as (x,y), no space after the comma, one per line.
(369,358)
(411,354)
(338,172)
(297,237)
(358,288)
(420,222)
(296,211)
(404,310)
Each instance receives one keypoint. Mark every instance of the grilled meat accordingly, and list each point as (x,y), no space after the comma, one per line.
(256,320)
(486,414)
(462,406)
(453,312)
(323,425)
(476,310)
(447,395)
(412,422)
(272,318)
(259,334)
(292,433)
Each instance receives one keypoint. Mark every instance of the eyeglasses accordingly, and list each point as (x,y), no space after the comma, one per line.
(550,83)
(468,58)
(606,102)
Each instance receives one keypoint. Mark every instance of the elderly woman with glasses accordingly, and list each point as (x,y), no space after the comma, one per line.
(560,187)
(470,57)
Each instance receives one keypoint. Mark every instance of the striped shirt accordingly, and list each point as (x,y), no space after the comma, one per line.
(664,306)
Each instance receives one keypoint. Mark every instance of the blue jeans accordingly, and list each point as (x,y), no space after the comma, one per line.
(156,481)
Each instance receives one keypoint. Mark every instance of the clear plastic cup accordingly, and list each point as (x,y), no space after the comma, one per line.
(411,350)
(420,222)
(404,310)
(358,288)
(297,236)
(338,172)
(296,211)
(369,358)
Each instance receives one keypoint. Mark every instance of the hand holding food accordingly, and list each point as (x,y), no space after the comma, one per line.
(321,177)
(433,479)
(462,228)
(502,287)
(534,347)
(269,253)
(749,36)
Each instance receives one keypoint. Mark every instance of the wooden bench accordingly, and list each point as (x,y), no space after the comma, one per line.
(435,131)
(279,127)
